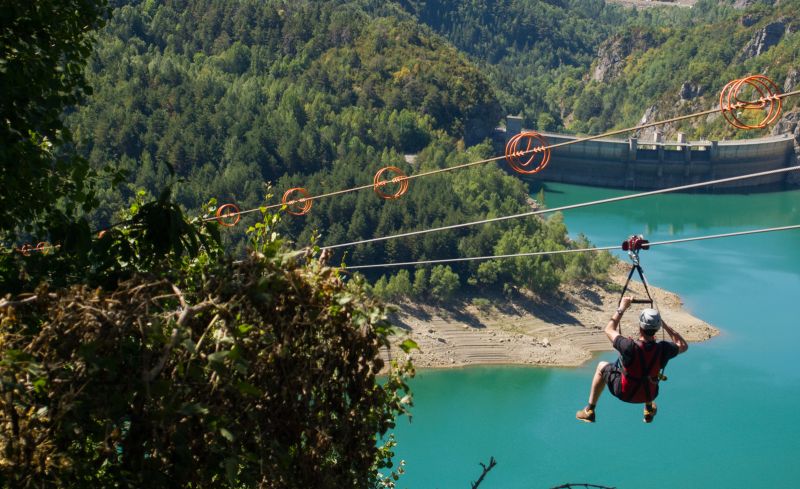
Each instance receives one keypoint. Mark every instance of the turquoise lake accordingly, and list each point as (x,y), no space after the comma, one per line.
(727,414)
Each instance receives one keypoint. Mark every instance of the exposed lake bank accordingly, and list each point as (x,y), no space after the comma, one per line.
(562,331)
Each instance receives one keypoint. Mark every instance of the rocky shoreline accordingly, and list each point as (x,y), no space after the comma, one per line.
(562,331)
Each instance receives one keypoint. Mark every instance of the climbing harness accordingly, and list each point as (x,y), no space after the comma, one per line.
(633,245)
(640,379)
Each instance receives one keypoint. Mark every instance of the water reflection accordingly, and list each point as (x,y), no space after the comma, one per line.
(675,214)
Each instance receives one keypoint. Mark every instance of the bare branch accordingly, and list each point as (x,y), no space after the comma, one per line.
(585,485)
(179,294)
(486,469)
(185,313)
(6,302)
(153,373)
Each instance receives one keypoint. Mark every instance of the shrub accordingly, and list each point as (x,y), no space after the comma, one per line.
(258,373)
(444,282)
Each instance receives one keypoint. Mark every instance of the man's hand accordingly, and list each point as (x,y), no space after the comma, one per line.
(676,337)
(612,328)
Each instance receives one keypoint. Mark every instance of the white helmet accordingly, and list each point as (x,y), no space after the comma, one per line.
(650,321)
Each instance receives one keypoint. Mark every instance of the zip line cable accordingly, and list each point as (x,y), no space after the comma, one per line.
(727,106)
(578,250)
(568,207)
(729,103)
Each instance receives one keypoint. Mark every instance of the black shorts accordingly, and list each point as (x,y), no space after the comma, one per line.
(612,375)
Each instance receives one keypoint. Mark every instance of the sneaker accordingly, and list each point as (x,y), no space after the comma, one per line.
(586,415)
(650,412)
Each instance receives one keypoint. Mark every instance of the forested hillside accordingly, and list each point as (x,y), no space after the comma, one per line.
(232,94)
(227,96)
(236,100)
(585,67)
(685,70)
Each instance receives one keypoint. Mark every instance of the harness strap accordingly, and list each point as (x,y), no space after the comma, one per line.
(645,380)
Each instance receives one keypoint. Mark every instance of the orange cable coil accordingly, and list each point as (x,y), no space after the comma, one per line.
(400,179)
(539,154)
(297,207)
(228,215)
(769,102)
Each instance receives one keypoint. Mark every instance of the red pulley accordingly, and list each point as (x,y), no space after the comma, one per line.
(635,243)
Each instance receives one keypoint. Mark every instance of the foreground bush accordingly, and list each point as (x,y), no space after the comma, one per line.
(253,374)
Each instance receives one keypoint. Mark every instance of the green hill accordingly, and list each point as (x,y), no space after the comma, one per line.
(224,97)
(585,66)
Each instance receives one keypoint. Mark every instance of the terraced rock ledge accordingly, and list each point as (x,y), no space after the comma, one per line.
(557,332)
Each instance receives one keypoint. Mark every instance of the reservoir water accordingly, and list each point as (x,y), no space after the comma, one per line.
(728,413)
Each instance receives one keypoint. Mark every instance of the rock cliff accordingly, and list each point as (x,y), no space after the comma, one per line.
(612,53)
(764,39)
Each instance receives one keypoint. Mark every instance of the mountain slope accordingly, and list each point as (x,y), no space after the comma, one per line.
(224,97)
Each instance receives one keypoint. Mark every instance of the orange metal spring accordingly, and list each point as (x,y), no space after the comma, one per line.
(228,215)
(400,179)
(41,247)
(535,149)
(731,103)
(297,207)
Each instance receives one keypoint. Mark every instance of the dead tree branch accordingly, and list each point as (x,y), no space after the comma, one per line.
(585,485)
(486,469)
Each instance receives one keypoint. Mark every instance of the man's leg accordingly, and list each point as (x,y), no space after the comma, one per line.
(598,383)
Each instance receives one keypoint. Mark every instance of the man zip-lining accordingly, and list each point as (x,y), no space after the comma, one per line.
(635,375)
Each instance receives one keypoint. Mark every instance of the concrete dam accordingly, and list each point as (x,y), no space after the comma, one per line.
(648,165)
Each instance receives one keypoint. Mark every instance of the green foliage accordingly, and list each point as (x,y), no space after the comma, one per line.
(655,50)
(483,305)
(399,285)
(231,94)
(444,282)
(420,285)
(704,49)
(226,374)
(313,94)
(585,267)
(145,357)
(379,288)
(528,48)
(44,46)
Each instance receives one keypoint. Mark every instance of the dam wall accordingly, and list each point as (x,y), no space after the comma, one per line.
(647,165)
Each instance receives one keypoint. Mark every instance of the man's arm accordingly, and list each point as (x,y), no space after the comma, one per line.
(612,328)
(676,337)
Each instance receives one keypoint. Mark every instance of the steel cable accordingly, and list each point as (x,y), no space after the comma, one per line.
(577,250)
